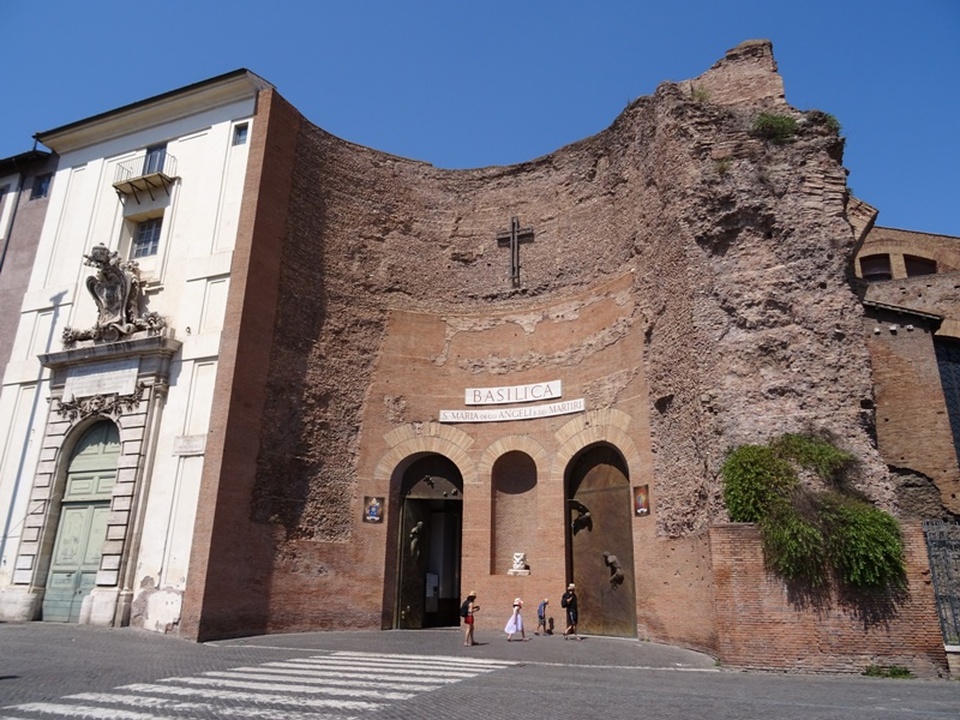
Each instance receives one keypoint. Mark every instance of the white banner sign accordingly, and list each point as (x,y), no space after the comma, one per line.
(521,413)
(513,393)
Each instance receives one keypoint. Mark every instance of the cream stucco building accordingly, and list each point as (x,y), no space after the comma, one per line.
(103,442)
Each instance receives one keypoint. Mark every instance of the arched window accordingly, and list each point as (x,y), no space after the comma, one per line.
(919,265)
(875,267)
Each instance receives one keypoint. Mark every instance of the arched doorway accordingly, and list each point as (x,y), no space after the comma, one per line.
(431,520)
(600,541)
(81,531)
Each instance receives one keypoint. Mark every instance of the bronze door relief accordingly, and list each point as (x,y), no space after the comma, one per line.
(600,543)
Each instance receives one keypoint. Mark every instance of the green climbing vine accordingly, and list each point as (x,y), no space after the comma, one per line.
(808,535)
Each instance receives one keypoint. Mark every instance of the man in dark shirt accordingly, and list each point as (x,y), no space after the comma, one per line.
(569,601)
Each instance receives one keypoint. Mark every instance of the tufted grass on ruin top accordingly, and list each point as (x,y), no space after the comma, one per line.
(810,536)
(699,94)
(778,129)
(829,121)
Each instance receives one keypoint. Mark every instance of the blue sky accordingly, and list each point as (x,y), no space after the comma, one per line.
(490,82)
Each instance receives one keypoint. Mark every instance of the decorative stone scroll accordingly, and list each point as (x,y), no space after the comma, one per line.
(116,290)
(113,405)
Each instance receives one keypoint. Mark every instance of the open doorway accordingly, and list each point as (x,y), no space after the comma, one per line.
(431,522)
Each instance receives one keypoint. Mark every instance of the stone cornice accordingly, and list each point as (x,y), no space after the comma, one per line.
(162,344)
(216,92)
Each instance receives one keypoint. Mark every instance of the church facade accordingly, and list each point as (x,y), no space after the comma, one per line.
(266,380)
(105,402)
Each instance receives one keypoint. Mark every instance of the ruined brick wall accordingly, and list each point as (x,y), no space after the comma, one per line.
(736,321)
(913,428)
(761,625)
(753,328)
(906,317)
(740,269)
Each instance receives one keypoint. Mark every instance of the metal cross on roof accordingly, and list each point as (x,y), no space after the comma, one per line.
(513,237)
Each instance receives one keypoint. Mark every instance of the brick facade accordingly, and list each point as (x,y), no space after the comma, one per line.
(683,334)
(370,292)
(686,283)
(762,625)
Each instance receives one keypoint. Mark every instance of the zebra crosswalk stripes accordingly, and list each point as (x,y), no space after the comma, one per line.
(334,686)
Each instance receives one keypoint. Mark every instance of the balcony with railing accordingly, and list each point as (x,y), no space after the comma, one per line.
(148,173)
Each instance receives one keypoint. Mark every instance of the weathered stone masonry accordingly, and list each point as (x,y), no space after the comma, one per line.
(687,279)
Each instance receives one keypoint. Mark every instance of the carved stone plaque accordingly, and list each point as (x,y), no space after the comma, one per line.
(189,444)
(118,377)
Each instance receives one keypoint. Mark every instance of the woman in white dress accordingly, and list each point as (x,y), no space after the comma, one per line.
(515,623)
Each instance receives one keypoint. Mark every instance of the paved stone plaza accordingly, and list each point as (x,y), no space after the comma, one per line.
(78,671)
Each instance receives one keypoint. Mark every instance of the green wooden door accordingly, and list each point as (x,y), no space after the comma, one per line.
(75,561)
(82,528)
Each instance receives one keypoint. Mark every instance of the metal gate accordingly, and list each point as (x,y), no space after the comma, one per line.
(943,549)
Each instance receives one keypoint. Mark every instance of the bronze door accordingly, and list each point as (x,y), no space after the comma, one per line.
(600,543)
(414,552)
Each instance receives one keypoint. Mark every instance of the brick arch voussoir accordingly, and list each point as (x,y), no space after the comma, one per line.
(512,443)
(415,438)
(588,430)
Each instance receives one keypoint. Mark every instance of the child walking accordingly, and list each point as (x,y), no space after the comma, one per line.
(515,623)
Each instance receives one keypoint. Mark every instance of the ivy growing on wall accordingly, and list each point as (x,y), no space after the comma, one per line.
(810,535)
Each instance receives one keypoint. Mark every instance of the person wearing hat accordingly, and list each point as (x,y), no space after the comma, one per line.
(542,617)
(569,601)
(467,609)
(515,623)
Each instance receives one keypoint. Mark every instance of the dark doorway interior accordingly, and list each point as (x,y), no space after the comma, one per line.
(431,521)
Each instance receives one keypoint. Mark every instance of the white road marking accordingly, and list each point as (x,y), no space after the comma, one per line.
(283,669)
(334,684)
(264,698)
(207,708)
(273,687)
(88,711)
(349,681)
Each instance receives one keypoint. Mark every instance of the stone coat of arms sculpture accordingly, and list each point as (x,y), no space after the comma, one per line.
(116,290)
